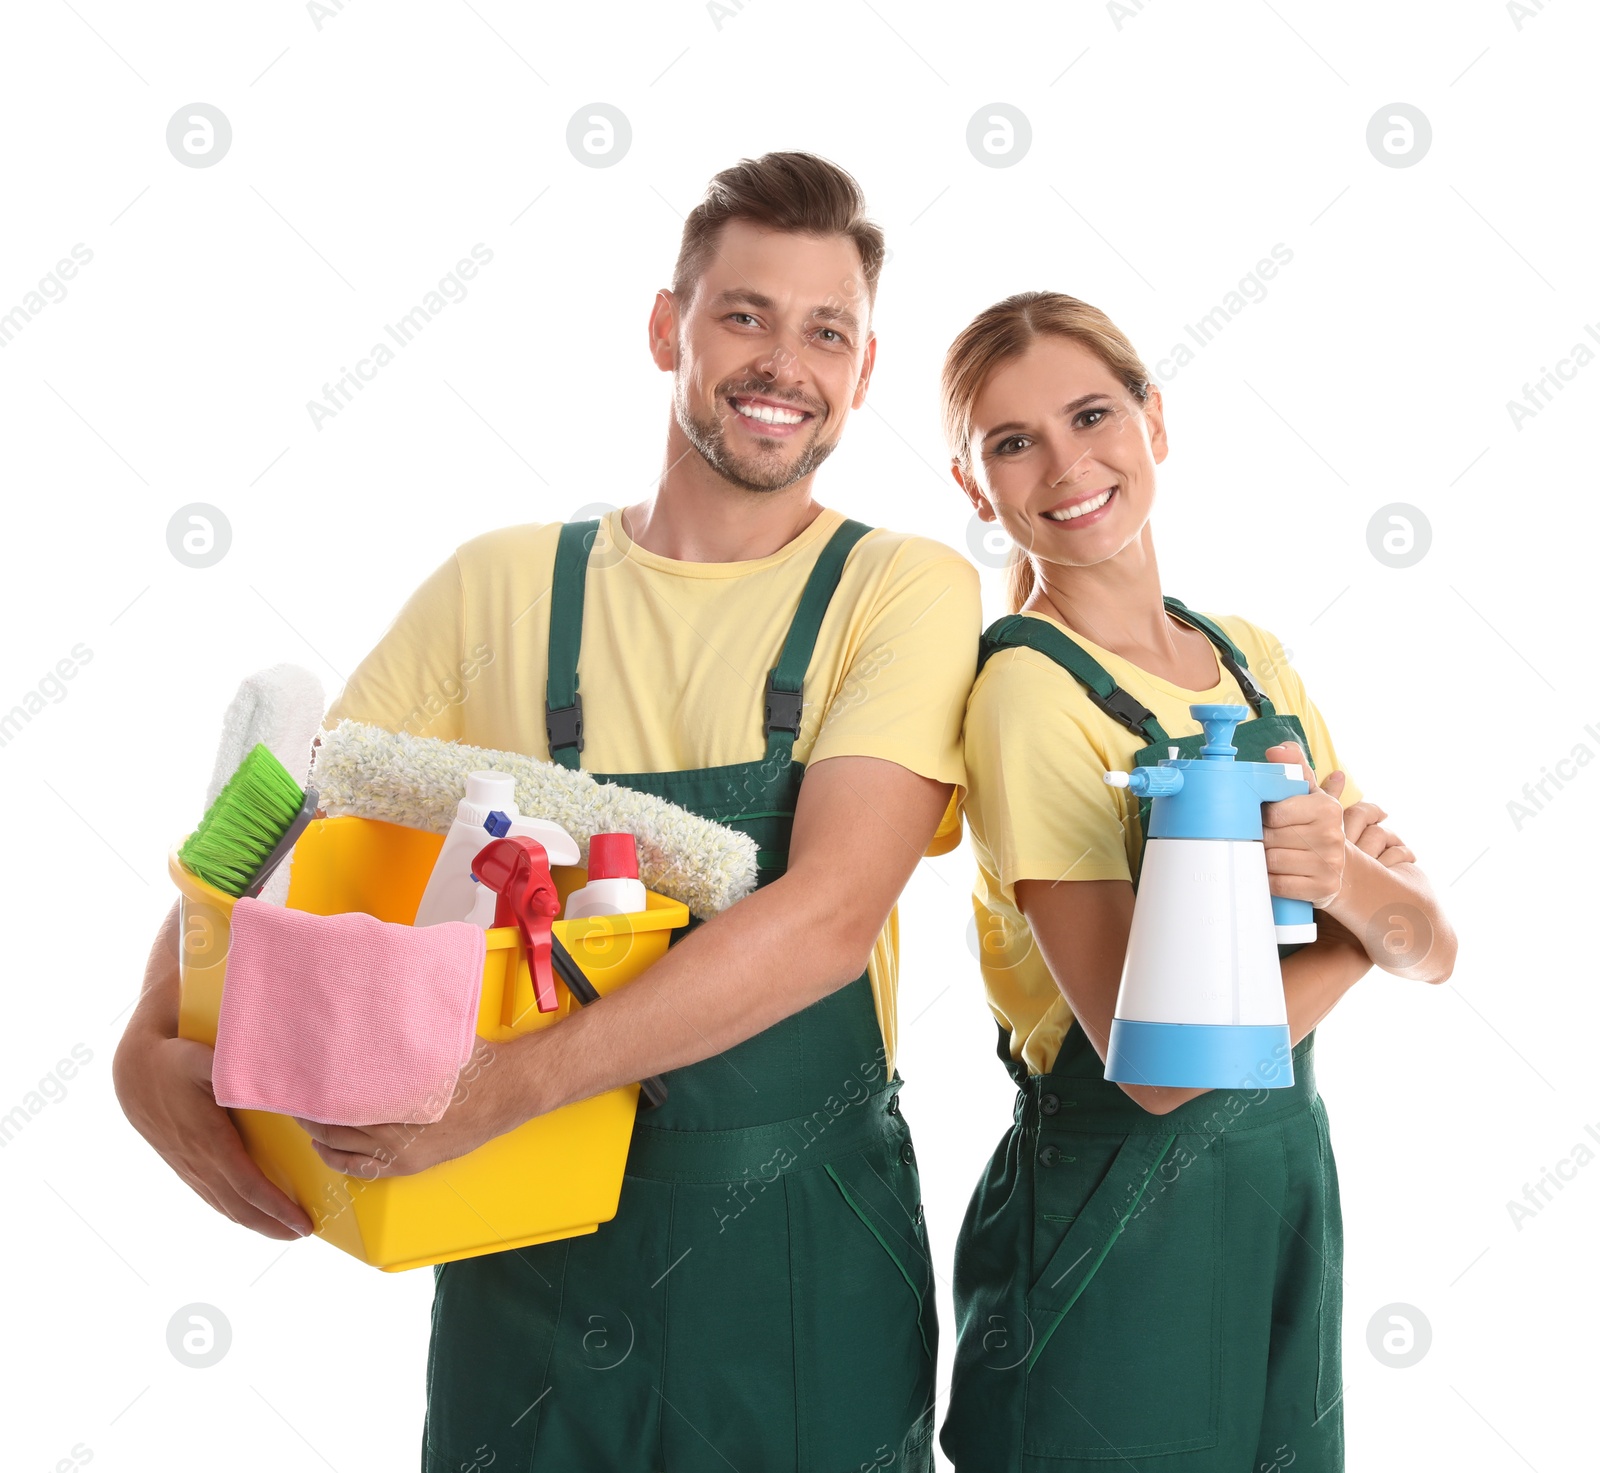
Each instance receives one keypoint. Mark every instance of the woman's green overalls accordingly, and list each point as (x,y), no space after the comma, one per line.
(1151,1291)
(763,1299)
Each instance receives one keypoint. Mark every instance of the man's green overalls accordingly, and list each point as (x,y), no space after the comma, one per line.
(763,1299)
(1152,1291)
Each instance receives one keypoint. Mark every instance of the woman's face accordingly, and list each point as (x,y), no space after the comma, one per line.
(1063,456)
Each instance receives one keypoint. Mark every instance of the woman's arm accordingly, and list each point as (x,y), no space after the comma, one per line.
(1384,902)
(1081,929)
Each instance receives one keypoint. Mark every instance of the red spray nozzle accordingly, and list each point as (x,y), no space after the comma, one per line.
(518,871)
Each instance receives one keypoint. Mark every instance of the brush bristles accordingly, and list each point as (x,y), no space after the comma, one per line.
(417,781)
(243,826)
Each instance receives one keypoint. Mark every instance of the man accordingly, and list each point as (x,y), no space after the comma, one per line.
(763,1298)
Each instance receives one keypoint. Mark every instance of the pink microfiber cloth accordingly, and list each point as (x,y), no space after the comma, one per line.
(345,1019)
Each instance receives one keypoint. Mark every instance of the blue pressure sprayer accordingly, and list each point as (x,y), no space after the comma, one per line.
(1201,1002)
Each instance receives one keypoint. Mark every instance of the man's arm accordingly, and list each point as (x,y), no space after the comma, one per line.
(860,826)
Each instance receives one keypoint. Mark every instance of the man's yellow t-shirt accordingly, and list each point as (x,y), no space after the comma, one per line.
(675,658)
(1038,806)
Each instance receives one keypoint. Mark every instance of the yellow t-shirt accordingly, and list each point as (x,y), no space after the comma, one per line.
(675,657)
(1038,806)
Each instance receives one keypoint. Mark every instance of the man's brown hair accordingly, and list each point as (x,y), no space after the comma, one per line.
(795,192)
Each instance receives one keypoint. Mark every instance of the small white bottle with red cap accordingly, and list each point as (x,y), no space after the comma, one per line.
(614,886)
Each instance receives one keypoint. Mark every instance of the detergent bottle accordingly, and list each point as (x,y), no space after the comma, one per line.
(452,894)
(556,841)
(614,887)
(1201,1002)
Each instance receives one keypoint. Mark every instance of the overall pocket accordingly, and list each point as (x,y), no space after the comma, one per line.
(1126,1308)
(493,1327)
(886,1195)
(1330,1303)
(866,1332)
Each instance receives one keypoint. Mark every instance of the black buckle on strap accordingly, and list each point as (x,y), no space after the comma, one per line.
(563,725)
(1120,706)
(782,710)
(1247,682)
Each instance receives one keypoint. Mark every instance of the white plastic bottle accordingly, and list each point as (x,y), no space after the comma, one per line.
(614,887)
(559,847)
(452,893)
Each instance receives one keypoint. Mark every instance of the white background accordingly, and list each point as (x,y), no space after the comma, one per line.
(1170,152)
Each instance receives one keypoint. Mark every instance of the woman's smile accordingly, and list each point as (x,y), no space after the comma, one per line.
(1082,510)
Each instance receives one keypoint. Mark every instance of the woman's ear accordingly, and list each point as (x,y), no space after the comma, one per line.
(1155,417)
(980,503)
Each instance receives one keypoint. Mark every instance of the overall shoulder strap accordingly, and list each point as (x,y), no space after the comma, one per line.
(563,707)
(1228,652)
(783,697)
(1018,631)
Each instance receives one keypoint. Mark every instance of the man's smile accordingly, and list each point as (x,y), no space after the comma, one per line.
(769,418)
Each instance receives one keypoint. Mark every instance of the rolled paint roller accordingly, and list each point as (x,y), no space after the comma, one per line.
(418,781)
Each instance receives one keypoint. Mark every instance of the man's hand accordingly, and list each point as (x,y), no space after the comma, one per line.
(487,1103)
(163,1084)
(1305,835)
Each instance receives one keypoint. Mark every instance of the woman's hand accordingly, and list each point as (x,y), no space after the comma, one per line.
(1379,880)
(1361,828)
(1305,835)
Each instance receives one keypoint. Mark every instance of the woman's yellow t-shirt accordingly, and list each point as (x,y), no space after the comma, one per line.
(1038,806)
(675,657)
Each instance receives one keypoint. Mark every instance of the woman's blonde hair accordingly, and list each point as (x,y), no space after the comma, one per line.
(1003,332)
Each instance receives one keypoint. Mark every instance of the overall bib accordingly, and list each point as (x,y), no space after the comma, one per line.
(763,1298)
(1151,1291)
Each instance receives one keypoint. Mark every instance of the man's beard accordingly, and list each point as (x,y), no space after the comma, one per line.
(756,472)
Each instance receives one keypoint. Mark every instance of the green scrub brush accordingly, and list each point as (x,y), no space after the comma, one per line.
(252,824)
(418,781)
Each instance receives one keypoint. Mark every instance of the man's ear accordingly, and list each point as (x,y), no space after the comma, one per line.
(662,331)
(868,359)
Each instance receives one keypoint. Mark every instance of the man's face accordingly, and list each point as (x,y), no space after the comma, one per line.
(770,354)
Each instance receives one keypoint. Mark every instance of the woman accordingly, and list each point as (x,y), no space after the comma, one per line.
(1143,1272)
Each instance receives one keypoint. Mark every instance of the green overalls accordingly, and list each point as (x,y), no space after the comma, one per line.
(763,1299)
(1159,1292)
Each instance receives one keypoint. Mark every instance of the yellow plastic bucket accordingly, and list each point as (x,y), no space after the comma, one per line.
(556,1176)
